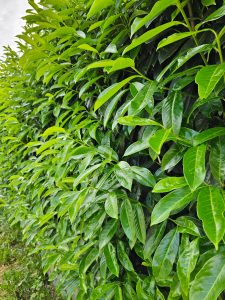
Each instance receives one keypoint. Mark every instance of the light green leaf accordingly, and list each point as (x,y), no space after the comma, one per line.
(124,174)
(156,234)
(194,166)
(100,291)
(174,38)
(52,130)
(172,157)
(217,159)
(165,255)
(210,209)
(156,10)
(111,205)
(208,135)
(85,174)
(47,145)
(137,121)
(111,106)
(210,280)
(97,6)
(186,264)
(123,257)
(87,47)
(207,79)
(111,91)
(136,147)
(186,225)
(122,63)
(87,261)
(143,176)
(149,35)
(127,220)
(158,139)
(139,220)
(111,259)
(169,203)
(208,2)
(107,233)
(168,184)
(172,111)
(143,98)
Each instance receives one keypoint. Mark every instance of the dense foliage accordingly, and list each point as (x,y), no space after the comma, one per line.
(113,146)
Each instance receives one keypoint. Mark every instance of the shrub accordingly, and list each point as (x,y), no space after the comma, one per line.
(112,155)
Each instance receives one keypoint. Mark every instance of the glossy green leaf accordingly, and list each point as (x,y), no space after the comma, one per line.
(123,257)
(158,139)
(186,264)
(156,10)
(97,6)
(156,234)
(139,220)
(111,91)
(143,176)
(101,290)
(150,35)
(122,63)
(169,203)
(172,157)
(194,166)
(143,98)
(136,121)
(88,260)
(136,147)
(174,38)
(208,2)
(208,134)
(210,280)
(107,233)
(172,111)
(111,205)
(124,174)
(207,79)
(217,159)
(165,255)
(168,184)
(210,209)
(111,259)
(186,225)
(127,220)
(87,47)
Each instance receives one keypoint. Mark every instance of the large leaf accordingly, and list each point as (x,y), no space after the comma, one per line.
(123,257)
(186,264)
(217,159)
(172,111)
(207,79)
(107,233)
(98,5)
(88,260)
(139,220)
(210,280)
(150,35)
(165,255)
(158,139)
(111,91)
(157,9)
(168,184)
(174,38)
(143,176)
(208,135)
(171,202)
(111,260)
(127,220)
(210,210)
(124,174)
(111,205)
(137,121)
(194,166)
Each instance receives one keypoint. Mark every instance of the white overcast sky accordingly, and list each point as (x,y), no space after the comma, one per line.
(11,12)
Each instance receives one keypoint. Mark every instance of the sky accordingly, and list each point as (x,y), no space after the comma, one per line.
(11,24)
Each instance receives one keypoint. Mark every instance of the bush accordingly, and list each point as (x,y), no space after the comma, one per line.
(112,155)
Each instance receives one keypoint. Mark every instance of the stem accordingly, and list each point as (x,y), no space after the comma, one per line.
(190,27)
(139,73)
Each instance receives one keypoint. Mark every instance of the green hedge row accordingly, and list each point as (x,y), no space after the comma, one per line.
(112,146)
